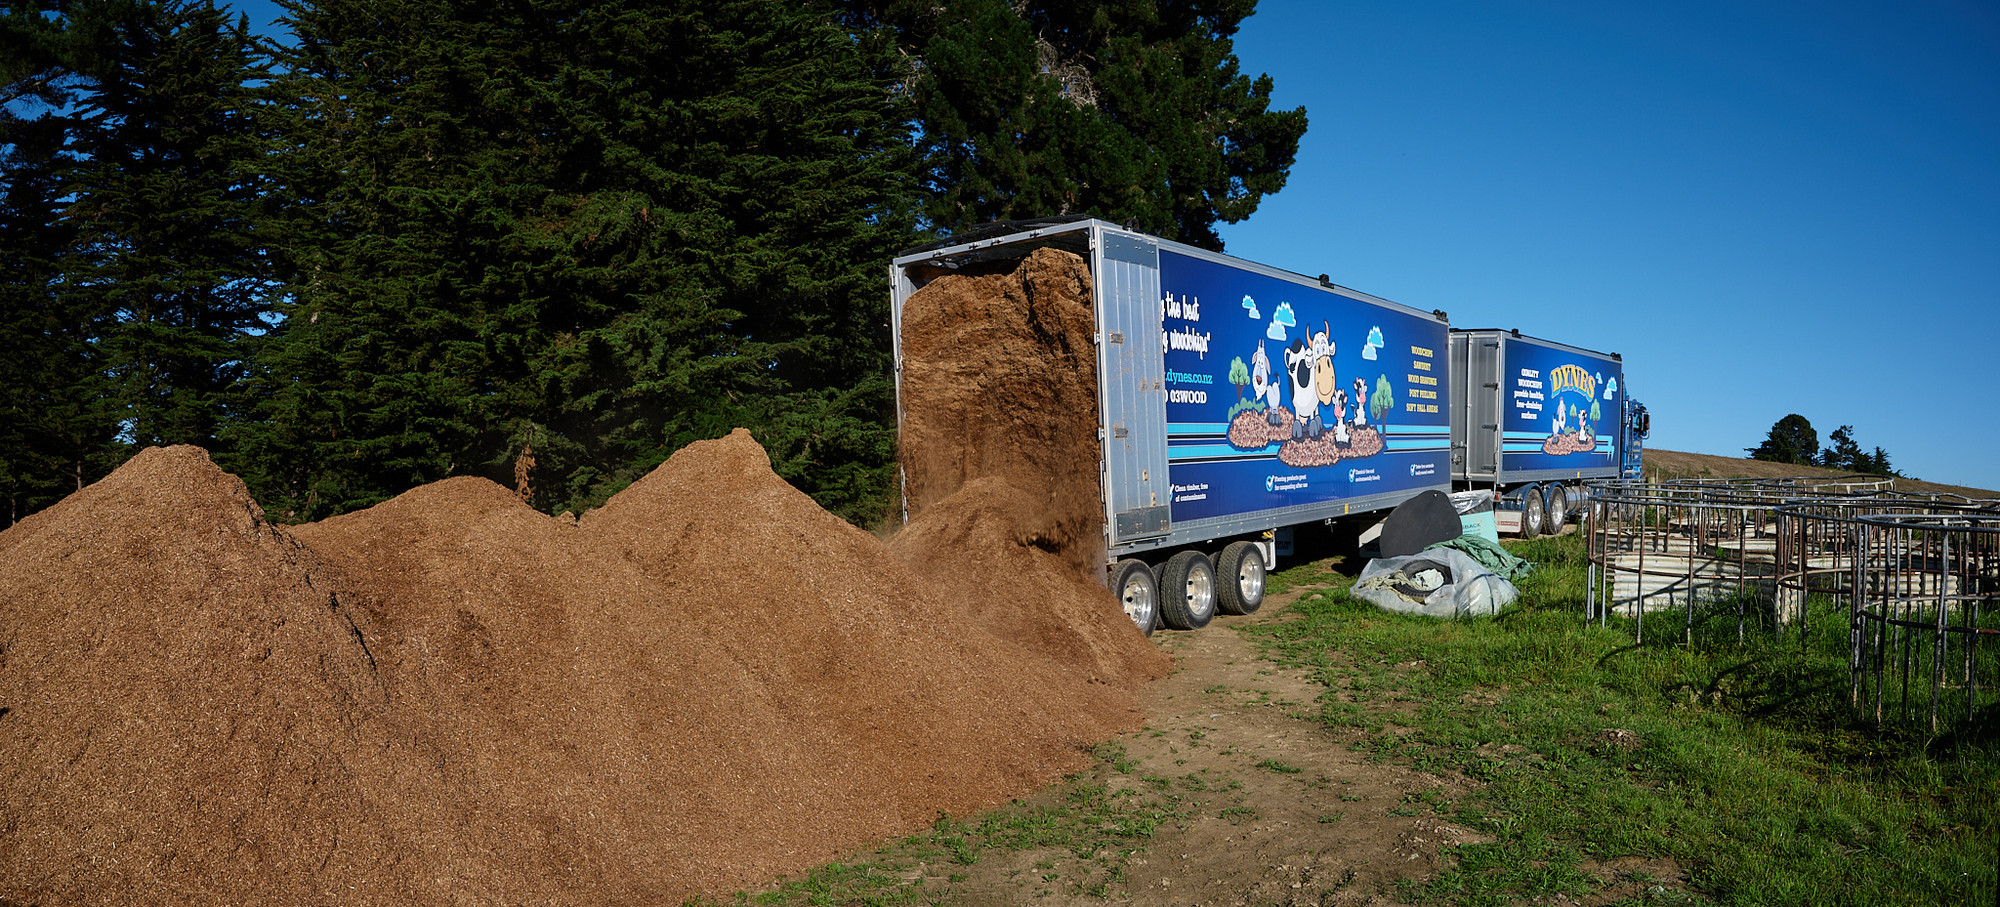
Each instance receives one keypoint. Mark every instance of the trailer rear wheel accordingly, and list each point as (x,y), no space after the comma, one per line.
(1187,591)
(1132,581)
(1531,512)
(1557,512)
(1239,573)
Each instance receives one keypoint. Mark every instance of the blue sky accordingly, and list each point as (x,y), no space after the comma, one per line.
(1767,208)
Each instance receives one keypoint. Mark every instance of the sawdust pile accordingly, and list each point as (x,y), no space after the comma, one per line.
(999,459)
(452,698)
(1000,381)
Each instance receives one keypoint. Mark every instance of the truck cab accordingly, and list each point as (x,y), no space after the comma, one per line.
(1635,426)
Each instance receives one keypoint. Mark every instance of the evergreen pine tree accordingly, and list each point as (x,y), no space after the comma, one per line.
(167,208)
(582,232)
(383,358)
(1792,440)
(56,430)
(1876,463)
(1843,453)
(57,426)
(1137,113)
(48,50)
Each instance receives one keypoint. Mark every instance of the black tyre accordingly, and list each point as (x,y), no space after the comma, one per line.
(1531,512)
(1132,581)
(1239,578)
(1557,511)
(1187,591)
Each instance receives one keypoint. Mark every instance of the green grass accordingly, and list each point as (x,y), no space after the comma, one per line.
(1312,573)
(1741,762)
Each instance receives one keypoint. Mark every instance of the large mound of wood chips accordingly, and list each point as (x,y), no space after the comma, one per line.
(452,698)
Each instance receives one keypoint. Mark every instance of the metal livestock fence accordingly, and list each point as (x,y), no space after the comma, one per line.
(1916,577)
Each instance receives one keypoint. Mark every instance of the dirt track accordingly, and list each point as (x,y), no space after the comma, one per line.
(1280,809)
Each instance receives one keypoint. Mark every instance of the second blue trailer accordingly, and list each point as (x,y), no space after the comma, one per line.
(1534,419)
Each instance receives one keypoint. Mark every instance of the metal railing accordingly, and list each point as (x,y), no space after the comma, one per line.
(1925,635)
(1655,546)
(1916,576)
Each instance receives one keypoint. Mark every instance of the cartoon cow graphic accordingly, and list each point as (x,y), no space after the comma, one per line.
(1360,403)
(1305,398)
(1325,384)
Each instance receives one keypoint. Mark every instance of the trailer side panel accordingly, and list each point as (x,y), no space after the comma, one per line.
(1534,410)
(1290,401)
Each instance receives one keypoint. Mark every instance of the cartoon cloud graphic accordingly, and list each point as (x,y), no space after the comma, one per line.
(1251,304)
(1374,343)
(1281,318)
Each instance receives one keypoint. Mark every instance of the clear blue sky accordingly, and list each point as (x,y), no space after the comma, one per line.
(1768,208)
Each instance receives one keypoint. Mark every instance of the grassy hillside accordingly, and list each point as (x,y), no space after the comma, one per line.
(1720,769)
(1671,464)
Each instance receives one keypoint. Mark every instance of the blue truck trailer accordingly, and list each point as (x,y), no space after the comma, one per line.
(1534,420)
(1235,399)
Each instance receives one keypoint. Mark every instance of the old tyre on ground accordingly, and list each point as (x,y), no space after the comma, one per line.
(1531,512)
(1557,511)
(1132,581)
(1187,591)
(1239,578)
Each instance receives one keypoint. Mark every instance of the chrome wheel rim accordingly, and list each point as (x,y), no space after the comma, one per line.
(1250,581)
(1139,605)
(1201,591)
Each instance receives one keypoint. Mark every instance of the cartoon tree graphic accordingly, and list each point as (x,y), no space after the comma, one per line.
(1239,375)
(1596,412)
(1382,401)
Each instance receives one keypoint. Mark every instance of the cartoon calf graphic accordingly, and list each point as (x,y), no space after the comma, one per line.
(1360,403)
(1261,386)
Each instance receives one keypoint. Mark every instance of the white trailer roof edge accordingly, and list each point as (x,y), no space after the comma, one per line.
(1512,334)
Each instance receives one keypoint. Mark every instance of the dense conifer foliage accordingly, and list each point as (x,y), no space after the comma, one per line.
(1792,440)
(53,434)
(169,202)
(1132,110)
(132,193)
(551,241)
(555,241)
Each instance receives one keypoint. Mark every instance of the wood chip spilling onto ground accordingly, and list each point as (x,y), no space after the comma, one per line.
(452,698)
